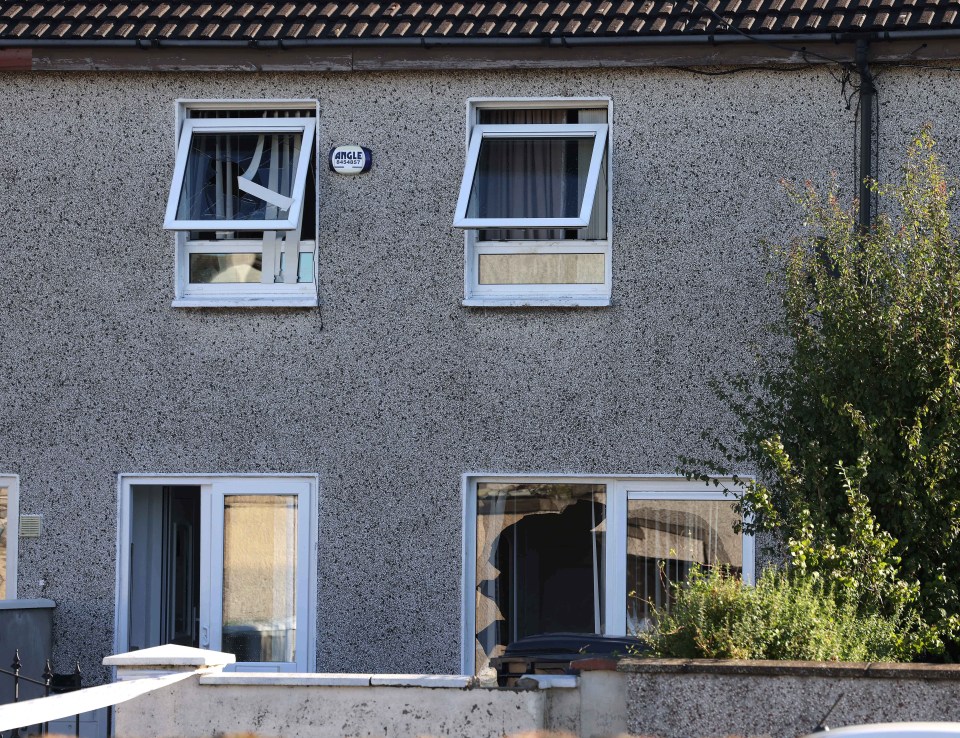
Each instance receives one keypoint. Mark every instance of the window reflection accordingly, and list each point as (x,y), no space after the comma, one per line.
(540,562)
(541,269)
(665,539)
(241,268)
(259,577)
(4,533)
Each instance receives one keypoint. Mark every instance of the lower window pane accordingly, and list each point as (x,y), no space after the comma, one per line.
(4,524)
(240,268)
(665,538)
(540,562)
(541,269)
(259,577)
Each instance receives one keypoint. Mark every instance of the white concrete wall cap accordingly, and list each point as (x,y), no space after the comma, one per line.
(266,679)
(170,655)
(550,681)
(37,604)
(434,681)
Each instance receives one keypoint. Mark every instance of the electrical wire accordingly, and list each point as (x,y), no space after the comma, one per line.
(760,40)
(737,70)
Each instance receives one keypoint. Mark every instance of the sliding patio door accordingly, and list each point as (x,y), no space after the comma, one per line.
(259,573)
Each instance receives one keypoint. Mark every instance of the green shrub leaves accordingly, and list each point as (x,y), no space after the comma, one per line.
(798,618)
(854,428)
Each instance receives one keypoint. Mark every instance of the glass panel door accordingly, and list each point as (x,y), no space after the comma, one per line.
(259,573)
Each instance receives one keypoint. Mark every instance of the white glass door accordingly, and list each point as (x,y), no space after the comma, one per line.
(257,607)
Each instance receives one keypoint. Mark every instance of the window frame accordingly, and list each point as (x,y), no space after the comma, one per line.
(620,489)
(250,294)
(596,131)
(305,126)
(12,483)
(208,483)
(539,295)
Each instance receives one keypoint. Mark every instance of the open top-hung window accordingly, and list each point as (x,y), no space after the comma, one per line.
(243,204)
(534,202)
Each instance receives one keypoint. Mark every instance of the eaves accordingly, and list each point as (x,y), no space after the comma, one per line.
(343,55)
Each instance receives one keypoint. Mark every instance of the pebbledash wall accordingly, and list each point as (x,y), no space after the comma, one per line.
(392,390)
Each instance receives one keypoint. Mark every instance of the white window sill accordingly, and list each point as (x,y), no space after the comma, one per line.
(537,302)
(244,302)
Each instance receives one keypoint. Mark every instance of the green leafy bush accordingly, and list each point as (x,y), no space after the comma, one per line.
(716,616)
(853,428)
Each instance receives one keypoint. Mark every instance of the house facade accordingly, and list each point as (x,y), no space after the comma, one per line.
(458,420)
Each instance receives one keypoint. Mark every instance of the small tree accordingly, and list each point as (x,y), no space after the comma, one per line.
(854,428)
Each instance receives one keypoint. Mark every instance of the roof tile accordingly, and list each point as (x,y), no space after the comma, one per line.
(214,20)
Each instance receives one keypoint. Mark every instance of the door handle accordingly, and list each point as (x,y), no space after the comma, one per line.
(204,637)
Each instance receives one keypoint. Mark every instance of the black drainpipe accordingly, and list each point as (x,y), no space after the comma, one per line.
(867,93)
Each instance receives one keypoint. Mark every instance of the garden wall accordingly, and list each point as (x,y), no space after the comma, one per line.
(675,698)
(652,698)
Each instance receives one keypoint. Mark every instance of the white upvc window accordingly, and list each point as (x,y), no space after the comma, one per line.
(9,523)
(222,562)
(535,203)
(243,203)
(584,554)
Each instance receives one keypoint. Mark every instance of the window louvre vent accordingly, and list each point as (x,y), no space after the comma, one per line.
(30,526)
